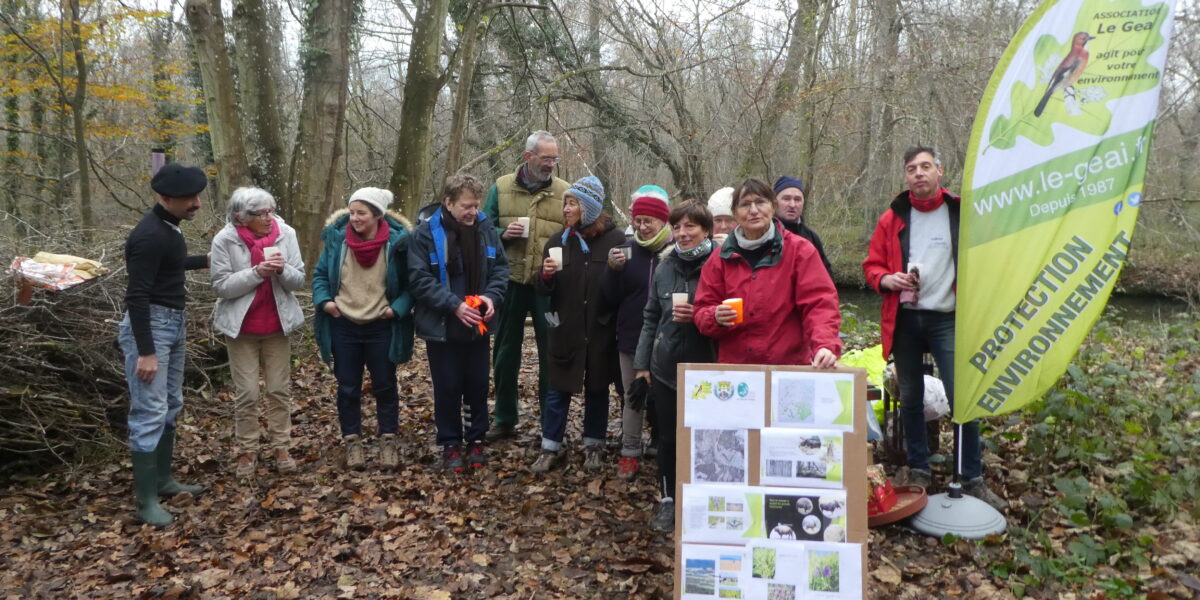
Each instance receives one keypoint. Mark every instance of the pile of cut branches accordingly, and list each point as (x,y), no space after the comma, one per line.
(63,394)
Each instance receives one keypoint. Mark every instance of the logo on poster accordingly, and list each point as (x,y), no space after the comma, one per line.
(724,390)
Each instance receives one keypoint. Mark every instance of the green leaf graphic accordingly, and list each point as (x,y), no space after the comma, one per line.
(1125,33)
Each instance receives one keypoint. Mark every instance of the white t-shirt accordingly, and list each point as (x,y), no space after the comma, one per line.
(930,246)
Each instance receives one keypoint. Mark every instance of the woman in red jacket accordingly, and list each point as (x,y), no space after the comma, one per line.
(789,305)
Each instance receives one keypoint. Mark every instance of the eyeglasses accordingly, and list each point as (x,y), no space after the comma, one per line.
(262,214)
(757,201)
(553,160)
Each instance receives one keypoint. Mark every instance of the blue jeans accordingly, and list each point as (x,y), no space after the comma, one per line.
(355,347)
(554,419)
(917,332)
(154,405)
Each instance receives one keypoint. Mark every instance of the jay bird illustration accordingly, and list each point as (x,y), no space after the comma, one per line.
(1068,71)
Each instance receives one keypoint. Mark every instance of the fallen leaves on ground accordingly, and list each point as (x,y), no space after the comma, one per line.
(415,533)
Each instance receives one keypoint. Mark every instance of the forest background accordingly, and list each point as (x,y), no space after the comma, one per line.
(311,99)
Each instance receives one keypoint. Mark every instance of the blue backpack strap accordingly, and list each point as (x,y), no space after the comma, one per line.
(439,246)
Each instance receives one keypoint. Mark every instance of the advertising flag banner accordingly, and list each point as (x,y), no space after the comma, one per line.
(1053,181)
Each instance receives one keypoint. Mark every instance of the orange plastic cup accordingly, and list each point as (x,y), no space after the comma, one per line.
(736,305)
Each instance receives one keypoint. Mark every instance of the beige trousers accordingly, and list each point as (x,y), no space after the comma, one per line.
(247,353)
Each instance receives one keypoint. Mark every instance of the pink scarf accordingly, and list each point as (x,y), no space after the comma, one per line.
(262,318)
(366,252)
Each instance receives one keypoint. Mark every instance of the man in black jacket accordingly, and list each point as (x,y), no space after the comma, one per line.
(153,334)
(789,208)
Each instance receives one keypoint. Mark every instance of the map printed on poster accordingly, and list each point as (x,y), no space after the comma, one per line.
(721,514)
(715,572)
(719,456)
(804,514)
(724,399)
(801,457)
(792,571)
(812,400)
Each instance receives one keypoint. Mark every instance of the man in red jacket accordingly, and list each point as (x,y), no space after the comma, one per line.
(912,261)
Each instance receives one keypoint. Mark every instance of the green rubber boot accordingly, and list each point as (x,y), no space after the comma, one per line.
(167,486)
(145,487)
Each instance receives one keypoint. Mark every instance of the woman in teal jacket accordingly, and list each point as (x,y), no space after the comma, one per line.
(363,317)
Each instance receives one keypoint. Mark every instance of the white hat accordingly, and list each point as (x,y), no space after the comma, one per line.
(720,204)
(377,197)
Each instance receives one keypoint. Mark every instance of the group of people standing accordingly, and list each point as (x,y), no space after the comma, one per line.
(738,280)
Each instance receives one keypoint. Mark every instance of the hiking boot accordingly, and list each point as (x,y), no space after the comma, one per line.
(593,458)
(978,488)
(388,457)
(627,467)
(452,459)
(354,451)
(164,455)
(546,460)
(247,462)
(284,463)
(500,432)
(475,456)
(145,488)
(919,477)
(664,516)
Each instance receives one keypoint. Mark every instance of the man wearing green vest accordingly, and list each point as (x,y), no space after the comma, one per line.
(526,207)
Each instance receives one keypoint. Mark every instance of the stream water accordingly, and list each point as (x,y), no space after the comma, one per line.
(1120,307)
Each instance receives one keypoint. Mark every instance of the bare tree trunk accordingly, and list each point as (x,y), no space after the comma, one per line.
(9,187)
(165,110)
(423,83)
(472,29)
(78,100)
(316,177)
(601,164)
(759,161)
(257,62)
(880,124)
(208,40)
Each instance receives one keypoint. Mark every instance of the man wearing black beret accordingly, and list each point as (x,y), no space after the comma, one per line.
(153,334)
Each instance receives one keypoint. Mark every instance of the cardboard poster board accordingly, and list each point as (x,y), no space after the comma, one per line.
(713,401)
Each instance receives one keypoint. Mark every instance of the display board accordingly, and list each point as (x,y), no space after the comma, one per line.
(771,492)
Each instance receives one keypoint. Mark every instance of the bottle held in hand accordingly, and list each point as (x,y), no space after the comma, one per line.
(911,296)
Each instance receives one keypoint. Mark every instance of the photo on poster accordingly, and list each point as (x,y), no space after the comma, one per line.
(812,400)
(719,456)
(832,571)
(714,571)
(776,570)
(805,514)
(801,457)
(720,514)
(724,399)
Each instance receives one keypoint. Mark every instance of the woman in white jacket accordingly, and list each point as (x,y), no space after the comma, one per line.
(256,269)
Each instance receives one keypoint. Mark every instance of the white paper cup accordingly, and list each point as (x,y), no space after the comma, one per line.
(679,298)
(556,256)
(271,252)
(627,251)
(524,221)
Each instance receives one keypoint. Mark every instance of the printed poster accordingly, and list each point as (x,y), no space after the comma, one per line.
(812,400)
(801,457)
(720,514)
(719,456)
(724,399)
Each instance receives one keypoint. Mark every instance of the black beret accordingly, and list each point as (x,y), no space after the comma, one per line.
(174,180)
